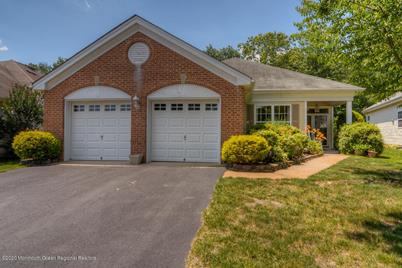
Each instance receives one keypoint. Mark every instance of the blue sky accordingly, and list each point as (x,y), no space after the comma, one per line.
(42,30)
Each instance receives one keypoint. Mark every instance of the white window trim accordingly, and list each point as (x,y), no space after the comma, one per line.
(398,110)
(272,112)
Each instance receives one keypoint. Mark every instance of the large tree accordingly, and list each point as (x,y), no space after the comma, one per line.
(222,53)
(23,110)
(359,38)
(267,48)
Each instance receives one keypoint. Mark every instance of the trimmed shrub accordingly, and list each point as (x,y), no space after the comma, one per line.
(294,145)
(272,137)
(274,140)
(361,149)
(277,155)
(245,149)
(282,129)
(354,136)
(36,145)
(314,147)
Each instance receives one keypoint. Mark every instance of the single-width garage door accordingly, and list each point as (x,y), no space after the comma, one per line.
(100,130)
(186,131)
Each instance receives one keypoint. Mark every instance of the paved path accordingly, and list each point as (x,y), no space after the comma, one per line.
(302,171)
(125,216)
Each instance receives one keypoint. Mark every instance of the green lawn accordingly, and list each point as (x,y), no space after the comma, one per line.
(349,215)
(9,165)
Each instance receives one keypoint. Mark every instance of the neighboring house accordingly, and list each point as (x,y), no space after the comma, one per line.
(140,90)
(14,73)
(387,115)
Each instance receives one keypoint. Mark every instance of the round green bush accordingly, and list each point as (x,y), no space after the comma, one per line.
(294,145)
(245,149)
(314,147)
(282,129)
(270,136)
(358,135)
(36,145)
(276,153)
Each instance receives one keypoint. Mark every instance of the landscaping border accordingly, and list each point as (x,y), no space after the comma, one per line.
(270,167)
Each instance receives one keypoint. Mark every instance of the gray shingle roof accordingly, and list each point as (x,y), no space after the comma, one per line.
(396,98)
(11,73)
(268,77)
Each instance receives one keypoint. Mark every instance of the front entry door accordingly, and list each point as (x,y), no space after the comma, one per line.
(319,121)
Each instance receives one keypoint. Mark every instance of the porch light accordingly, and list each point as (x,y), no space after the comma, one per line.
(136,102)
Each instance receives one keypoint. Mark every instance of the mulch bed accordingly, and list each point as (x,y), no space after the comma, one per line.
(270,167)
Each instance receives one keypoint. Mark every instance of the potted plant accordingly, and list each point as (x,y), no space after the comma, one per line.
(372,153)
(361,149)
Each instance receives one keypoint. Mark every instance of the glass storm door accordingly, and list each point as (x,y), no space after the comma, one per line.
(319,121)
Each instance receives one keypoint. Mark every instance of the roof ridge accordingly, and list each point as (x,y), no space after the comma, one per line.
(288,70)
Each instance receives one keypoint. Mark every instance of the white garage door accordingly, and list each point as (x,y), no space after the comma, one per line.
(185,131)
(100,131)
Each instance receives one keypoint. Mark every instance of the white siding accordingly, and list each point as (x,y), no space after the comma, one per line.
(387,120)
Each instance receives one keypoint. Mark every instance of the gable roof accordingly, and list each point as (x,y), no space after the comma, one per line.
(396,98)
(12,73)
(267,77)
(122,32)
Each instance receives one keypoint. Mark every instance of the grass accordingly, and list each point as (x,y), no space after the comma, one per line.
(349,215)
(9,165)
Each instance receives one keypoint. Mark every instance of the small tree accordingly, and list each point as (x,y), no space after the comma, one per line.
(23,110)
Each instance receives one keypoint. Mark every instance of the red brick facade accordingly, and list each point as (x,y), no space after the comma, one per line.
(163,68)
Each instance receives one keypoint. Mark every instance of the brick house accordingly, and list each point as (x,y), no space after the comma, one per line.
(138,90)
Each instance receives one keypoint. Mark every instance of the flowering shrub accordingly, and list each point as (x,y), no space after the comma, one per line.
(315,134)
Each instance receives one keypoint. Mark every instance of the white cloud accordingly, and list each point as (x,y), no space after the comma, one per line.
(3,48)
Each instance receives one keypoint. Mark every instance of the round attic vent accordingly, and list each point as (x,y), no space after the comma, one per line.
(138,53)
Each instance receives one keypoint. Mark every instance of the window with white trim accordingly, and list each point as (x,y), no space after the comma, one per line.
(110,107)
(273,113)
(125,107)
(94,108)
(211,107)
(194,107)
(264,114)
(400,116)
(79,108)
(160,107)
(282,113)
(176,107)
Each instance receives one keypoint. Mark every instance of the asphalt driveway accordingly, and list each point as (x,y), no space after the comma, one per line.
(81,216)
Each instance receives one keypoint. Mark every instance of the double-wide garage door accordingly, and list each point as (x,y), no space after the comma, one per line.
(185,131)
(100,130)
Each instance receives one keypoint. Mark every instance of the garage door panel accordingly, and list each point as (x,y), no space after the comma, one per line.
(100,134)
(95,122)
(211,138)
(211,122)
(176,138)
(177,122)
(124,138)
(78,122)
(160,137)
(194,138)
(124,123)
(194,123)
(185,135)
(160,122)
(109,122)
(211,155)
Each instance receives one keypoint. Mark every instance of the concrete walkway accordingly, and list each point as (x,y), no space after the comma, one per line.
(302,171)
